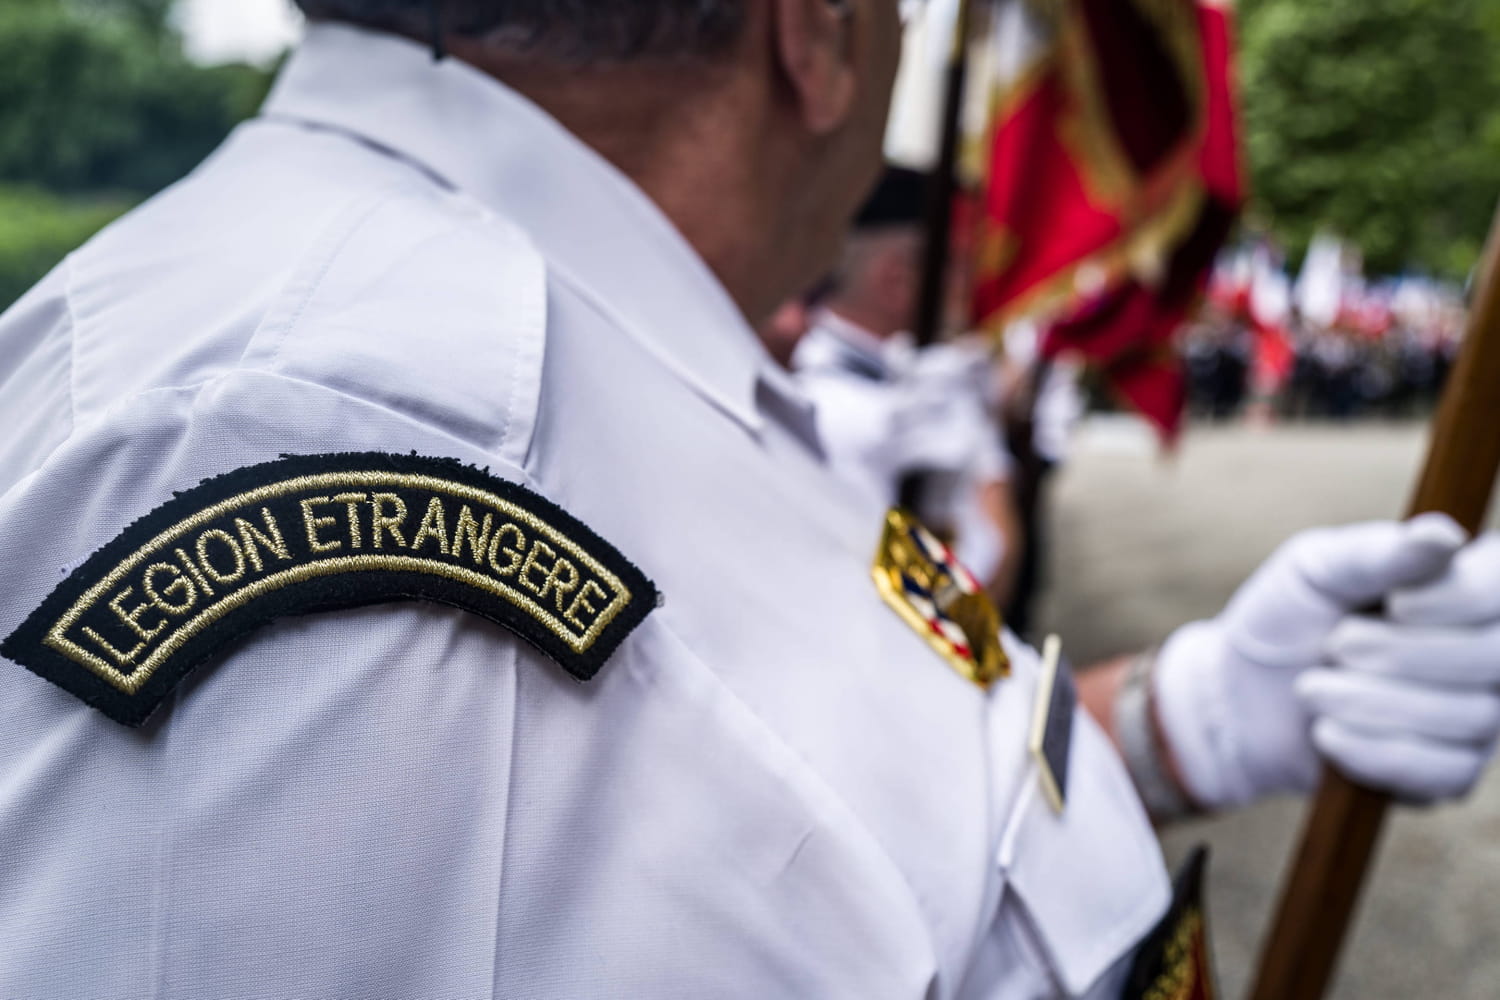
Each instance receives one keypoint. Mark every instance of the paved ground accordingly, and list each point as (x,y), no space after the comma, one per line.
(1141,544)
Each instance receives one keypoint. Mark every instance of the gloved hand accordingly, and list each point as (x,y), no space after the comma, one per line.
(1288,673)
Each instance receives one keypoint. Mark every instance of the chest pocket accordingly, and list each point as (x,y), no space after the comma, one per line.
(1081,888)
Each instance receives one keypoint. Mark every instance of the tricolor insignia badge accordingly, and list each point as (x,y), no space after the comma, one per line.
(318,533)
(920,578)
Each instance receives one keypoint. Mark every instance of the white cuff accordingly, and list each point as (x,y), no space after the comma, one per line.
(1194,714)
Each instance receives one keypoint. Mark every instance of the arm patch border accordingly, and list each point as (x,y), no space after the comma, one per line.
(311,533)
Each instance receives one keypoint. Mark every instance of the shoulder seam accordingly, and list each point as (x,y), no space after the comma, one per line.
(283,342)
(228,375)
(331,246)
(72,335)
(518,371)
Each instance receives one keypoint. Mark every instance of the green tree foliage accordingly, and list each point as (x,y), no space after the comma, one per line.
(154,16)
(38,229)
(95,95)
(98,108)
(1379,119)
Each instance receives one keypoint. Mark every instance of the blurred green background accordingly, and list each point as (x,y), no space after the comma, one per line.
(99,107)
(1379,119)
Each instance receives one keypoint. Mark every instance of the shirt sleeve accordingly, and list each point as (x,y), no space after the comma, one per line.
(35,359)
(403,799)
(320,768)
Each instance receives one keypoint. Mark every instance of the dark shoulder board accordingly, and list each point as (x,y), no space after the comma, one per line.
(317,533)
(1175,961)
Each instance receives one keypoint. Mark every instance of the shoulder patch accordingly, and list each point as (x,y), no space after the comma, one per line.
(1175,962)
(317,533)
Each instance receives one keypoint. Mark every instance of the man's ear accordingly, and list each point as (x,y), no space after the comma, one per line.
(813,44)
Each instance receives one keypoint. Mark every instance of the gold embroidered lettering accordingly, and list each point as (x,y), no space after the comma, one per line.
(242,554)
(251,536)
(123,659)
(581,603)
(434,525)
(515,553)
(538,548)
(383,522)
(352,502)
(193,571)
(312,522)
(224,537)
(132,618)
(556,582)
(477,534)
(180,587)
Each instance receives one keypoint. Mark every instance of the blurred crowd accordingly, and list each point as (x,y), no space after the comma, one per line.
(1333,373)
(1328,346)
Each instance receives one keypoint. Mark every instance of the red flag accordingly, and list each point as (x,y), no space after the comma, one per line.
(1128,329)
(1091,153)
(1146,375)
(1155,386)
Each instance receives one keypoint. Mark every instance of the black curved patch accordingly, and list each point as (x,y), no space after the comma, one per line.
(317,533)
(1176,959)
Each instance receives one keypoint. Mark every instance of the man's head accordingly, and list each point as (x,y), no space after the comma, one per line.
(756,125)
(879,277)
(582,31)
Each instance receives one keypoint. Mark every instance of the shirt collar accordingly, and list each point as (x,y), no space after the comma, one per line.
(595,227)
(856,343)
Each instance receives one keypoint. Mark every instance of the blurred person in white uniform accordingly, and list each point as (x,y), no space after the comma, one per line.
(418,580)
(887,411)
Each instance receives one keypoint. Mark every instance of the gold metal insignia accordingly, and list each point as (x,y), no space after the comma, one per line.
(922,581)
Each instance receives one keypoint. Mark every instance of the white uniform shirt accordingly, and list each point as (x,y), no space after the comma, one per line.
(855,383)
(886,409)
(773,788)
(1060,404)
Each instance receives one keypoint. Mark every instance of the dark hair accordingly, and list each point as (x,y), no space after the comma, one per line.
(571,30)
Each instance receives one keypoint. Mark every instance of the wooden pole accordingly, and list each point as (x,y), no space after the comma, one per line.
(1338,840)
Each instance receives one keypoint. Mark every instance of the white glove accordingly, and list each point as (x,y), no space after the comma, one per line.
(1410,704)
